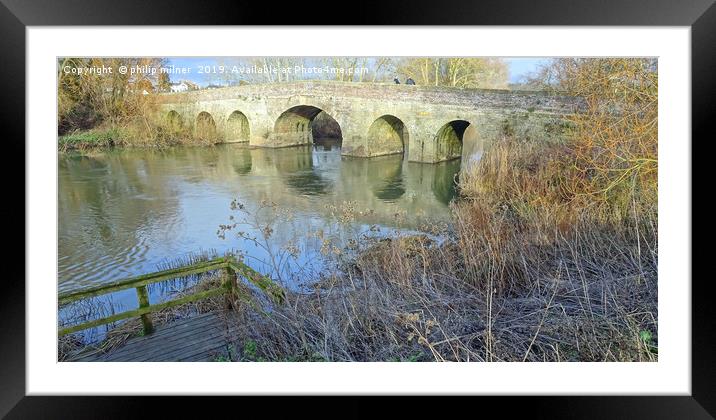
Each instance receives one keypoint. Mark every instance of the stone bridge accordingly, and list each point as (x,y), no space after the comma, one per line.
(426,124)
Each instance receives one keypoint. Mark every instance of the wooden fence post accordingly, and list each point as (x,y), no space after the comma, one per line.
(230,286)
(143,298)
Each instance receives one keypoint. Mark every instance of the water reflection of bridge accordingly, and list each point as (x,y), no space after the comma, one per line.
(386,184)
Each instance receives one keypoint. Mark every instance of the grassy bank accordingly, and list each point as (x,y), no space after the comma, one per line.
(138,134)
(91,139)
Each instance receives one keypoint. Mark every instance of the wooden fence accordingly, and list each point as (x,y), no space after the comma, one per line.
(234,268)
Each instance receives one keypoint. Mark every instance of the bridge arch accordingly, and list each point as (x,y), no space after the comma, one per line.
(449,140)
(295,126)
(326,131)
(205,128)
(237,128)
(174,121)
(387,135)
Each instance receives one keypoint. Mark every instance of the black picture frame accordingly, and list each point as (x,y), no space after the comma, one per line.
(16,15)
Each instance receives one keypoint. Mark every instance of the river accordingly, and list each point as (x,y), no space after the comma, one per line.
(128,212)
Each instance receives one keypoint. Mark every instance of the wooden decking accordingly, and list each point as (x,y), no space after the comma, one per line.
(201,338)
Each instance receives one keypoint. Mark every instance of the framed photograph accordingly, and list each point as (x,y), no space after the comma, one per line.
(502,207)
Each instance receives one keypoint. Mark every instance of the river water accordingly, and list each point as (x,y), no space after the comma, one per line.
(128,212)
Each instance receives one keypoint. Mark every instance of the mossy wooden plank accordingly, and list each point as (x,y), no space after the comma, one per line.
(143,280)
(141,311)
(258,279)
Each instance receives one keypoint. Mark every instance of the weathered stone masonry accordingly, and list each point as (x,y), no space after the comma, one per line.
(428,124)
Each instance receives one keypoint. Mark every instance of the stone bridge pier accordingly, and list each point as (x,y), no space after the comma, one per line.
(425,124)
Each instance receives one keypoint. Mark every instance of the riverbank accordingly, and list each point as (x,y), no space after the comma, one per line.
(88,140)
(126,136)
(421,303)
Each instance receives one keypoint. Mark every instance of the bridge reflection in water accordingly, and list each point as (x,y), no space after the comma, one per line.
(124,212)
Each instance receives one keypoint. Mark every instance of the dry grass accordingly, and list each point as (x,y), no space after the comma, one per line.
(586,297)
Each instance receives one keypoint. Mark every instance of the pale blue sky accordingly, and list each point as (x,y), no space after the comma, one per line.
(518,67)
(523,66)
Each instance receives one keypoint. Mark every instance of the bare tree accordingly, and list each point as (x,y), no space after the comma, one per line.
(463,72)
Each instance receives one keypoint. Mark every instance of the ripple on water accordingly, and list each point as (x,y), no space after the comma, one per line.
(123,213)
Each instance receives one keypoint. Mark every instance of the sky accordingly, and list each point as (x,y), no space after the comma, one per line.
(518,67)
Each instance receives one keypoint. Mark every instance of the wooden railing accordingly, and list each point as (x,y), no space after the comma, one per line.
(230,264)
